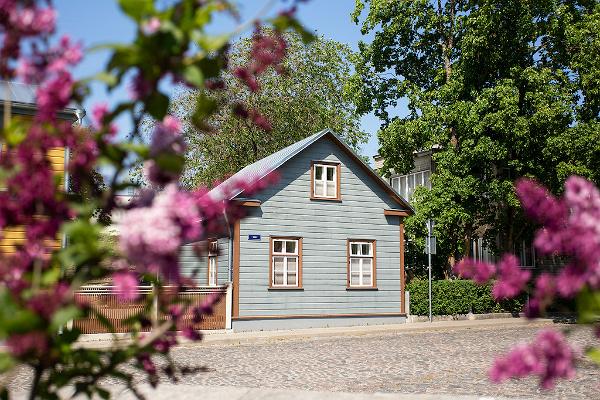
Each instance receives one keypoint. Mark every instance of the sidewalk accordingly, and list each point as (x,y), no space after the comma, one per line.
(237,338)
(182,391)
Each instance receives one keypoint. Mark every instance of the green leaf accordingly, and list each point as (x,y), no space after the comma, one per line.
(137,9)
(194,75)
(157,105)
(212,43)
(6,362)
(594,354)
(15,132)
(285,22)
(62,316)
(51,276)
(588,306)
(170,162)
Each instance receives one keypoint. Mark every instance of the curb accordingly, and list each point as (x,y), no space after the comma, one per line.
(243,338)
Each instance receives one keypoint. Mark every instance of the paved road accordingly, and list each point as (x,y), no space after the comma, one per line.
(452,361)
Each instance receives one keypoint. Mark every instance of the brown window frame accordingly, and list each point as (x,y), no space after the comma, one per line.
(272,286)
(373,257)
(338,180)
(210,255)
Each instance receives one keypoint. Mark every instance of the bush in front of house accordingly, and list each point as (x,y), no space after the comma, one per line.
(452,297)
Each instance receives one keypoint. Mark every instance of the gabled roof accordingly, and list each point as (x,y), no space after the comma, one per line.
(265,166)
(23,100)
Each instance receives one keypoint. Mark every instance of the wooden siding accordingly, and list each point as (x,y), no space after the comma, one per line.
(287,210)
(192,266)
(16,235)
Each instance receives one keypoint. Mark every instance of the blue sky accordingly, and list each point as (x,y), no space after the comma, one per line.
(95,22)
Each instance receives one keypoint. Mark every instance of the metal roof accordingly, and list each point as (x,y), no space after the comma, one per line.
(265,166)
(23,96)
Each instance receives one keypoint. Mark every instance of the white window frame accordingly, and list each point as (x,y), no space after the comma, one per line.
(326,183)
(286,257)
(213,253)
(361,257)
(418,180)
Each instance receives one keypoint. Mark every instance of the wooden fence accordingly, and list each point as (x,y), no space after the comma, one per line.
(116,311)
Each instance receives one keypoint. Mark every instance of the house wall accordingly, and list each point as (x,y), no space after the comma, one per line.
(197,267)
(287,210)
(15,236)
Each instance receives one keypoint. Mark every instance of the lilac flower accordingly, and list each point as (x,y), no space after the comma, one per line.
(151,236)
(151,26)
(34,342)
(480,272)
(99,112)
(549,357)
(126,285)
(511,278)
(539,203)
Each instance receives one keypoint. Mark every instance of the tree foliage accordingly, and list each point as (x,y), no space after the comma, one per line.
(502,89)
(305,99)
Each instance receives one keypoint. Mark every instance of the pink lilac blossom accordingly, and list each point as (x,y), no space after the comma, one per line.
(150,236)
(151,26)
(543,294)
(126,285)
(479,271)
(549,357)
(33,20)
(571,227)
(511,278)
(166,139)
(34,343)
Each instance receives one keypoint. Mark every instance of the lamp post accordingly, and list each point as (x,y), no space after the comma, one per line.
(430,250)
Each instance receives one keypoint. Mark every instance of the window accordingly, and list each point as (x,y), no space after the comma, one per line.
(213,253)
(286,263)
(405,185)
(325,180)
(361,264)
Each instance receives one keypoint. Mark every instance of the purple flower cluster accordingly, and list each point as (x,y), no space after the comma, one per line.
(166,140)
(21,20)
(549,356)
(570,227)
(150,236)
(510,279)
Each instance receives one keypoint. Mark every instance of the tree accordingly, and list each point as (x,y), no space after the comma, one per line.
(306,98)
(501,89)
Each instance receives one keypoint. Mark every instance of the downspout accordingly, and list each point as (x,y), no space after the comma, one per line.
(229,250)
(229,295)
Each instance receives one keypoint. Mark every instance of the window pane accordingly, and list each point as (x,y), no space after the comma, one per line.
(330,173)
(278,270)
(402,190)
(366,249)
(354,272)
(290,246)
(411,182)
(292,271)
(318,172)
(426,176)
(354,249)
(319,188)
(331,190)
(277,246)
(395,184)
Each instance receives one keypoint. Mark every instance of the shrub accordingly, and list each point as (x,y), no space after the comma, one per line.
(452,297)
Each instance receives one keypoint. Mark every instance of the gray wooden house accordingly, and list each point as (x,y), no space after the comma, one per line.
(322,247)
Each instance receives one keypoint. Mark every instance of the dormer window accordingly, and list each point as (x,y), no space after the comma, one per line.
(325,180)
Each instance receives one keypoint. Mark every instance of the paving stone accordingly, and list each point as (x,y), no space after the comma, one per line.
(449,362)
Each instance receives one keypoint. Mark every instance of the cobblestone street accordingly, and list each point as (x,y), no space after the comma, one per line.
(450,361)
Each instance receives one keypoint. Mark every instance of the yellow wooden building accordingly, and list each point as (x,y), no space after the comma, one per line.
(17,100)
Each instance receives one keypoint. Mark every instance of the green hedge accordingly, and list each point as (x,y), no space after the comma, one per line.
(451,297)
